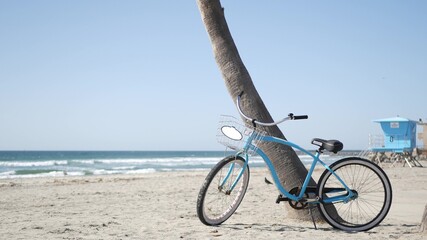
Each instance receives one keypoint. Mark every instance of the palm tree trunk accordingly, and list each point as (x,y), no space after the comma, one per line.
(423,227)
(290,169)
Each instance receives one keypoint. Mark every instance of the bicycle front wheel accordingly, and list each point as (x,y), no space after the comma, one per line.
(371,187)
(216,201)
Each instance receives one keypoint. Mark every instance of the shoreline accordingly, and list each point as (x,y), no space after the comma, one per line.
(26,164)
(162,205)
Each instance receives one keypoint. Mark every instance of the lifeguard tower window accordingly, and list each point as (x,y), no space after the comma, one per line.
(399,134)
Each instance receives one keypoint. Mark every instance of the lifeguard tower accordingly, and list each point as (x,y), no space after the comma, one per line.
(399,139)
(399,134)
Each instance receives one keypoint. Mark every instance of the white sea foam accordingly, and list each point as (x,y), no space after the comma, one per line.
(75,173)
(32,164)
(90,161)
(124,168)
(147,170)
(110,172)
(49,174)
(158,160)
(105,172)
(8,173)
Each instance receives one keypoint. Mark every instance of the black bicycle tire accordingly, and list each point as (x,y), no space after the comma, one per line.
(206,184)
(388,195)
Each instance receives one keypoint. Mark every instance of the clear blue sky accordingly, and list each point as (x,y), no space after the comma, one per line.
(140,75)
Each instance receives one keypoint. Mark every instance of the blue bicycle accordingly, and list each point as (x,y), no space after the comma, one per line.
(352,194)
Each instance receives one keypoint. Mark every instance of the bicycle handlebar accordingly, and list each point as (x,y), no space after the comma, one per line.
(290,116)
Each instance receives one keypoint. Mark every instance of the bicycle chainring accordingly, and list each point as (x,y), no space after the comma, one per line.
(300,204)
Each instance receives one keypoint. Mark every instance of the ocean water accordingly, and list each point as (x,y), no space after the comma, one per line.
(28,164)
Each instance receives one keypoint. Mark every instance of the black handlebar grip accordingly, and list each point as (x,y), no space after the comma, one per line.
(300,117)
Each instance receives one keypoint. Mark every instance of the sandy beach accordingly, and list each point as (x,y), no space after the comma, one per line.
(163,206)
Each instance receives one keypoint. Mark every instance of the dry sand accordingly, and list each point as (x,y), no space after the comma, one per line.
(163,206)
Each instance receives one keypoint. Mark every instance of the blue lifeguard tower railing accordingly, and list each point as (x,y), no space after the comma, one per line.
(399,139)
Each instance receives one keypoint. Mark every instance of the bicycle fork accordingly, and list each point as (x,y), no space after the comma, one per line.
(230,173)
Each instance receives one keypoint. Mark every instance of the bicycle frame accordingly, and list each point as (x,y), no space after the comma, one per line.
(283,191)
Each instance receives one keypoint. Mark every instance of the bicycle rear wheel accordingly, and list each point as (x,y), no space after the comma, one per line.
(368,182)
(215,202)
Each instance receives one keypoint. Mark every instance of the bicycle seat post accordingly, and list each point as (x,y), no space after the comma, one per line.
(254,123)
(319,151)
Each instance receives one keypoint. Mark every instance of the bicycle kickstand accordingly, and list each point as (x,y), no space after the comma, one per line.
(312,217)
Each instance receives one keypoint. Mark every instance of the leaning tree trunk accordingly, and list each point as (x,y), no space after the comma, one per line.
(423,227)
(290,169)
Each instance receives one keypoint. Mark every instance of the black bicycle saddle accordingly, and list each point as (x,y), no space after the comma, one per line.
(330,145)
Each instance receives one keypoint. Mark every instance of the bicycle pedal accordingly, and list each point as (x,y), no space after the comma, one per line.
(280,198)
